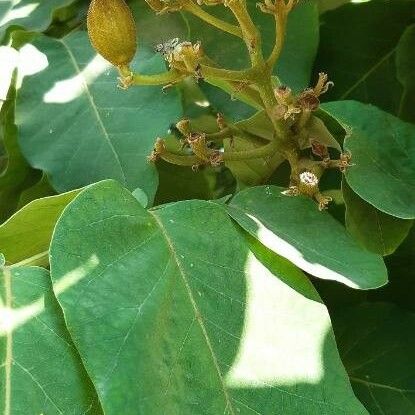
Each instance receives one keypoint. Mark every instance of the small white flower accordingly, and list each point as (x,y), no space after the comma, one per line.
(309,179)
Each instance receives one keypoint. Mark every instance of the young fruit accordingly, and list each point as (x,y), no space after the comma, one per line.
(112,30)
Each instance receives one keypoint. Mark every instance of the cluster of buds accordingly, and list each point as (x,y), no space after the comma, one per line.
(307,101)
(160,151)
(201,153)
(113,33)
(199,145)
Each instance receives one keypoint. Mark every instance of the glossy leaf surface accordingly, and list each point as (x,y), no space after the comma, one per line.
(174,312)
(294,228)
(105,132)
(26,235)
(383,156)
(40,371)
(376,345)
(375,230)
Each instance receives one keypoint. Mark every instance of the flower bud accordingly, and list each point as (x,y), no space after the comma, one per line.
(112,30)
(308,183)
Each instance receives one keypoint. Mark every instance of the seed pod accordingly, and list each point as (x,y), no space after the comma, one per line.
(112,30)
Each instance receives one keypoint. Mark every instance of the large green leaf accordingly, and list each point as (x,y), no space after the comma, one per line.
(75,124)
(173,313)
(33,16)
(406,73)
(375,230)
(26,235)
(383,154)
(294,67)
(358,50)
(294,228)
(40,371)
(302,39)
(377,346)
(17,175)
(401,266)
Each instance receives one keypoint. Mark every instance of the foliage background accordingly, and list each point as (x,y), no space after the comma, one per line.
(64,125)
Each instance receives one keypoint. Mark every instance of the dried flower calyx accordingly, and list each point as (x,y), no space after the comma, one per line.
(308,100)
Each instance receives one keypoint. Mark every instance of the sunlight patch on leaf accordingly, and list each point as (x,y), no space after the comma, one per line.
(73,277)
(285,249)
(13,318)
(68,90)
(19,13)
(314,241)
(266,318)
(40,370)
(31,61)
(8,58)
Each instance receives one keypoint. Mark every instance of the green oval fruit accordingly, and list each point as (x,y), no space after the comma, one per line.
(112,30)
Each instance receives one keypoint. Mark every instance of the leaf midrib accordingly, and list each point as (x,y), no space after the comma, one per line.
(94,107)
(368,73)
(196,310)
(380,385)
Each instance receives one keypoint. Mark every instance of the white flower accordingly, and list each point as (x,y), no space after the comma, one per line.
(309,179)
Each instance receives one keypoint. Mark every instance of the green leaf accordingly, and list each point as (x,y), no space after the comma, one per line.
(401,265)
(26,235)
(375,230)
(406,73)
(260,132)
(173,313)
(182,183)
(141,197)
(383,154)
(155,28)
(297,59)
(17,175)
(33,16)
(223,99)
(294,67)
(325,5)
(40,372)
(294,228)
(41,188)
(253,171)
(76,125)
(358,49)
(377,346)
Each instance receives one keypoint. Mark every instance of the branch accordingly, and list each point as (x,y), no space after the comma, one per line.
(212,20)
(264,151)
(128,78)
(250,33)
